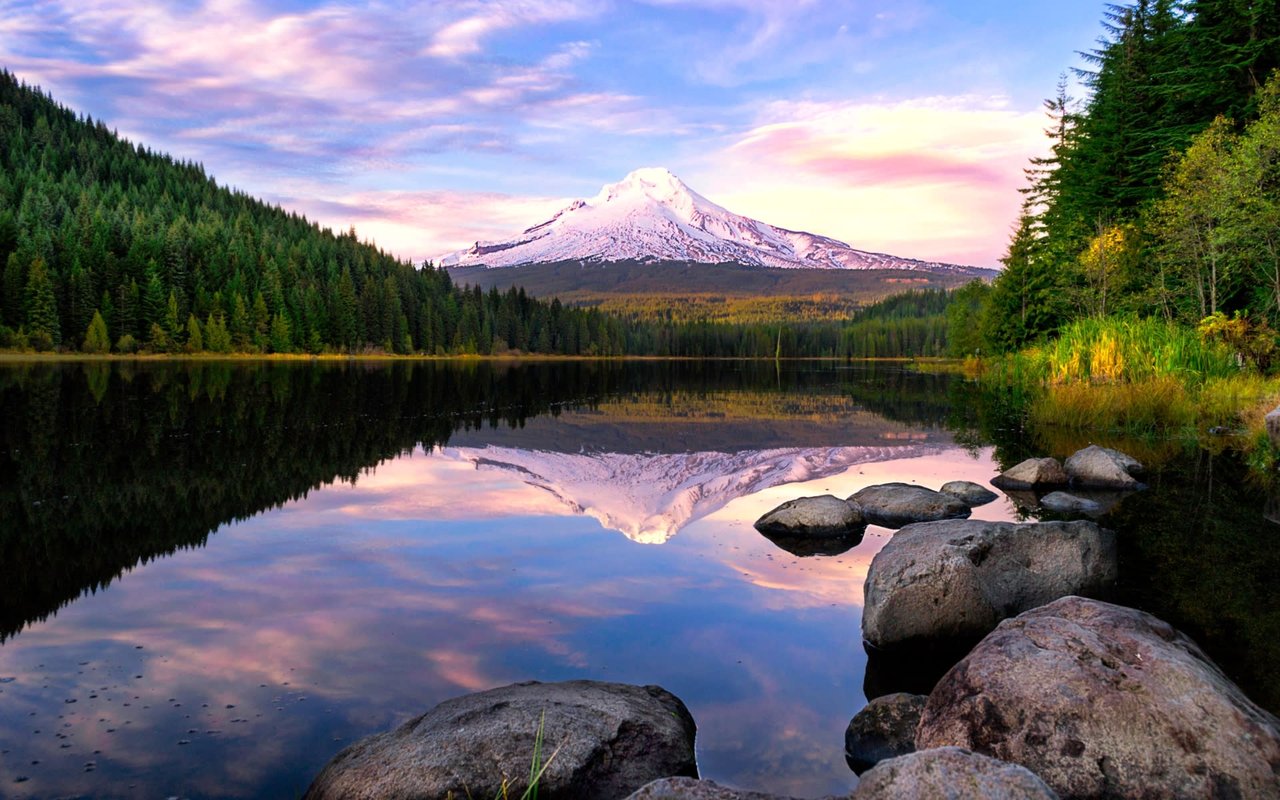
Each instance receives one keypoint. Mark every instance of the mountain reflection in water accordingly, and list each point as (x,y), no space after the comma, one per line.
(217,575)
(649,497)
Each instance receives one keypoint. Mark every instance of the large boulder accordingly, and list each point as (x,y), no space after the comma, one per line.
(1272,421)
(1105,701)
(950,773)
(885,728)
(1103,468)
(1033,473)
(893,505)
(955,580)
(608,740)
(970,493)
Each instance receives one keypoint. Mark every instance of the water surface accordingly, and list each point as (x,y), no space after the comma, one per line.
(219,575)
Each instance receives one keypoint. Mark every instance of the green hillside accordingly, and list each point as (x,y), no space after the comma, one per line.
(108,245)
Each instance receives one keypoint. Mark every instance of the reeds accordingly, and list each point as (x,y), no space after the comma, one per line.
(1133,375)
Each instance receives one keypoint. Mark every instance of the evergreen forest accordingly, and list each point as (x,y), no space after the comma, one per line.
(1160,194)
(107,246)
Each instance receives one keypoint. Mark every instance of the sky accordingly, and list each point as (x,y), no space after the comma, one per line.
(899,126)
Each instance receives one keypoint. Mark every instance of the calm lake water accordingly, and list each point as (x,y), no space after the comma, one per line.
(216,576)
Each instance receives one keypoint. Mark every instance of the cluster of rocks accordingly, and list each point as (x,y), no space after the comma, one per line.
(1094,699)
(827,525)
(1051,692)
(1091,482)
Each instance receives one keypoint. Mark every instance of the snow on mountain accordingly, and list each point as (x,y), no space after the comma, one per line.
(648,497)
(651,215)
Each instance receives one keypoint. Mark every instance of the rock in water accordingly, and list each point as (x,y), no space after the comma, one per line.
(1105,701)
(952,773)
(956,579)
(1067,503)
(884,729)
(969,493)
(813,516)
(893,505)
(691,789)
(1031,474)
(609,739)
(1103,468)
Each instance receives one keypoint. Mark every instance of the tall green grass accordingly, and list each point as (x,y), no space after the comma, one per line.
(1131,375)
(1126,350)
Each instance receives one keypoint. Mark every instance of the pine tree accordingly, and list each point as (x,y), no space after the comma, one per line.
(41,308)
(239,326)
(280,340)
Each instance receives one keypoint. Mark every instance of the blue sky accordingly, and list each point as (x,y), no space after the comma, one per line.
(896,126)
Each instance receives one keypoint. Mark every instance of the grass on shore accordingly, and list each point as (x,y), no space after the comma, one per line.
(1138,377)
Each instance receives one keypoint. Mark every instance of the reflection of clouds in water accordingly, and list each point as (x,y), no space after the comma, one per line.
(378,616)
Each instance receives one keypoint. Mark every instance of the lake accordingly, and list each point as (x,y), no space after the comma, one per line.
(218,575)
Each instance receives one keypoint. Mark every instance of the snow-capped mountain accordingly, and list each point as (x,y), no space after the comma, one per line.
(648,497)
(651,215)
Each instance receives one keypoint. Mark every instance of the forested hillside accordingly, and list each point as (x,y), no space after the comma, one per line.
(108,245)
(1161,195)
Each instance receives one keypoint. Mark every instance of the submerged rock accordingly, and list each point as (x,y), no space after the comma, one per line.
(1105,701)
(609,739)
(824,515)
(952,773)
(693,789)
(1031,474)
(1103,468)
(893,505)
(1067,503)
(970,493)
(956,579)
(885,728)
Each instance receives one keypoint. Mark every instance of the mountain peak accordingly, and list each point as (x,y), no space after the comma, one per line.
(652,185)
(652,215)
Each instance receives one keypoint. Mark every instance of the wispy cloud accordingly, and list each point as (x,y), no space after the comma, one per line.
(928,177)
(767,105)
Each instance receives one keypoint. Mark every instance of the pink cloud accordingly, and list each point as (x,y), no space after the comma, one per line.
(931,178)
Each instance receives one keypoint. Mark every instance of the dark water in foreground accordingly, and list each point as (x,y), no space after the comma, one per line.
(216,576)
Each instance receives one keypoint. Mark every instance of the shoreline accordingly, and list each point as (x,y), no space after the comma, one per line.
(14,357)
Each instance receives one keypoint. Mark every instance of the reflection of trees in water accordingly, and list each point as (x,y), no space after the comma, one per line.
(107,465)
(1196,548)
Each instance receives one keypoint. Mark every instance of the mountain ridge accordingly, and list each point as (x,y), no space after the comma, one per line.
(652,215)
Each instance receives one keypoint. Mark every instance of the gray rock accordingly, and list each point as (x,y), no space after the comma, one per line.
(1103,468)
(1031,474)
(950,773)
(820,516)
(1273,426)
(1105,701)
(609,739)
(693,789)
(969,493)
(1066,503)
(893,505)
(885,728)
(955,580)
